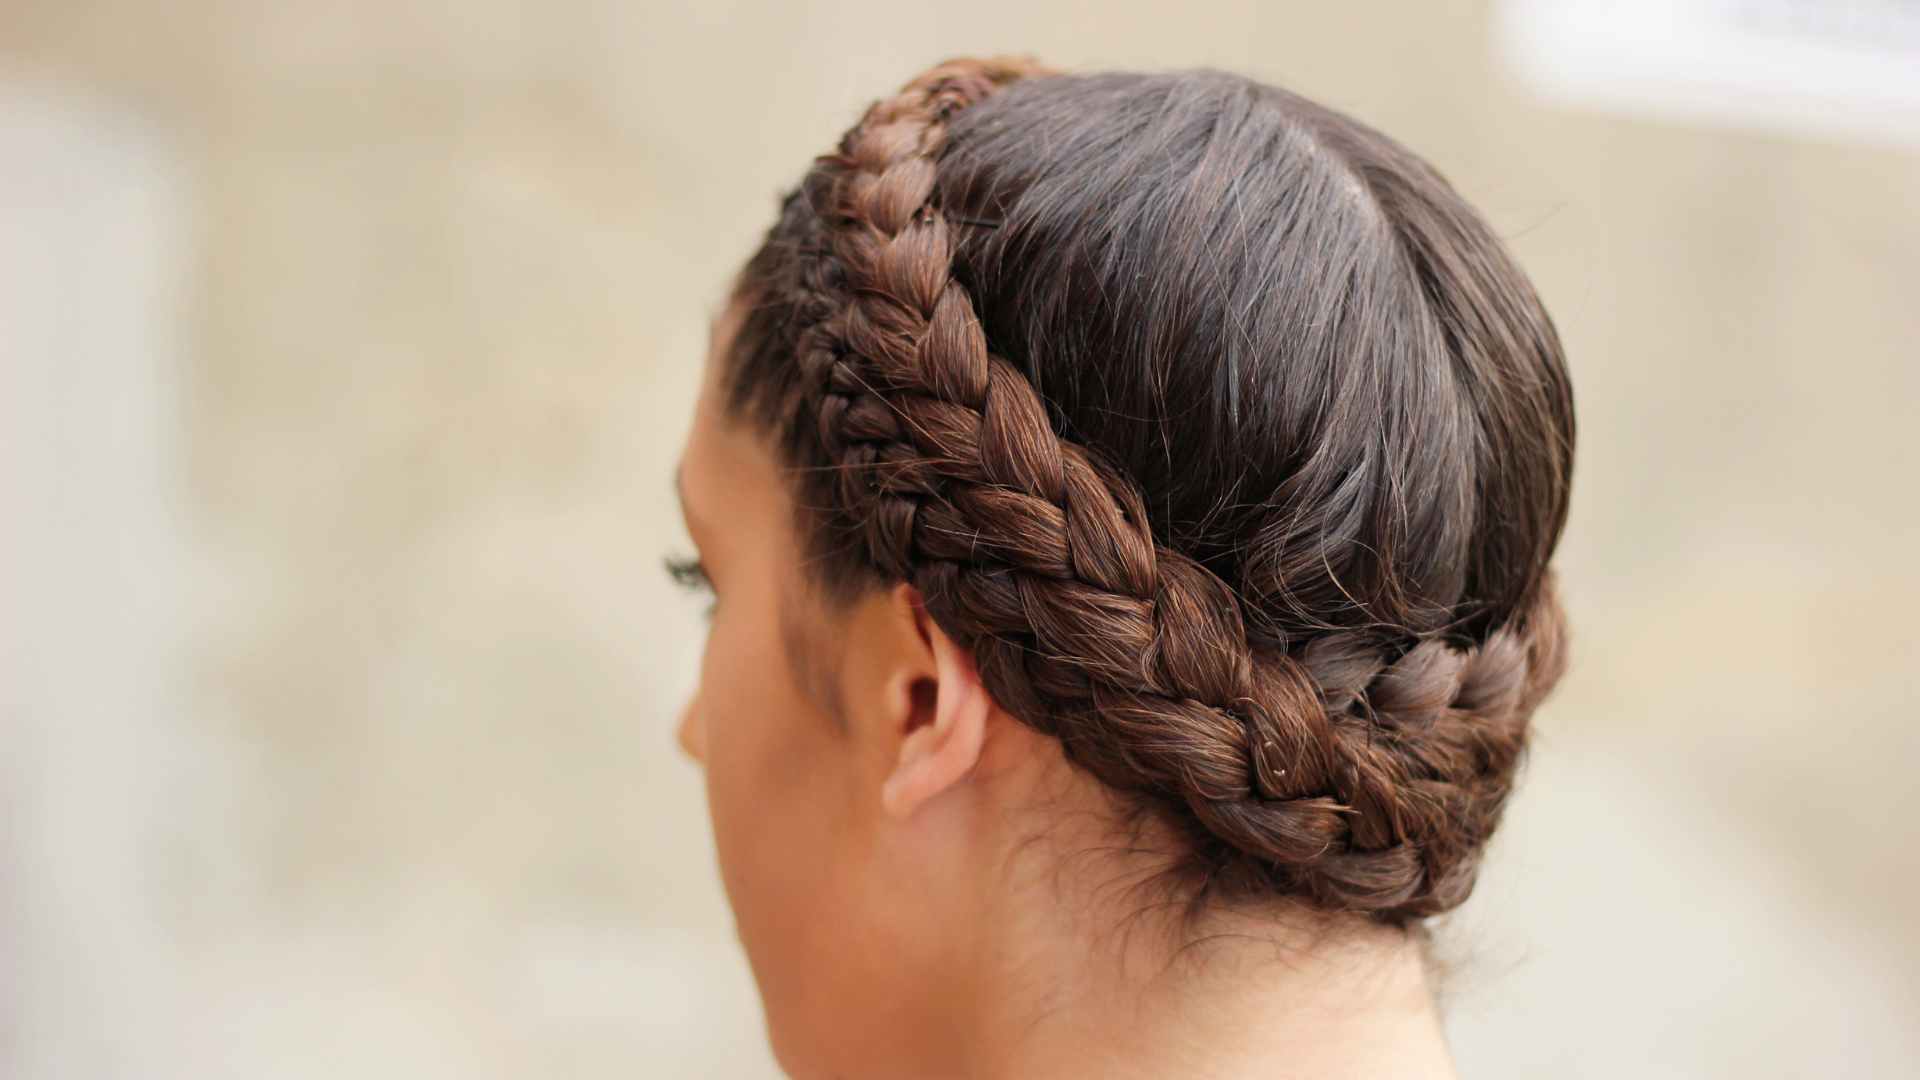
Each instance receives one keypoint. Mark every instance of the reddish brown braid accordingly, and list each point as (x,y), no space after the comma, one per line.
(1361,780)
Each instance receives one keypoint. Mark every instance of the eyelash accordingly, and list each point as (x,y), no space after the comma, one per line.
(691,574)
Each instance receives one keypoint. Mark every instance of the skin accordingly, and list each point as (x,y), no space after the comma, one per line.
(923,885)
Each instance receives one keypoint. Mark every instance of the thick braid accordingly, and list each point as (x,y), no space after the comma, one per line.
(1367,784)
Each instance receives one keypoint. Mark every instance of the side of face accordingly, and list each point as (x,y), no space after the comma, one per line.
(836,746)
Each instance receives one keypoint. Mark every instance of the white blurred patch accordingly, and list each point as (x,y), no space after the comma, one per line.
(91,583)
(1835,68)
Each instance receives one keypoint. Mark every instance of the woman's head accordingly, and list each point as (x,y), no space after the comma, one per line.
(1168,426)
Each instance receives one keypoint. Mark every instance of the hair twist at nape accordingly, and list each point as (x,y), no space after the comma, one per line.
(1359,780)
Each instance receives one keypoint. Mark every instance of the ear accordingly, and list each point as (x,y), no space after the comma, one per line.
(945,710)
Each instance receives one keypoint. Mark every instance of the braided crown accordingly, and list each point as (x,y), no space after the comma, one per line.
(1357,779)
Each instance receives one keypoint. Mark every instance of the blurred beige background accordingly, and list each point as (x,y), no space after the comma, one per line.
(345,350)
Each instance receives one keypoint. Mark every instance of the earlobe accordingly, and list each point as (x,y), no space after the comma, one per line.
(938,753)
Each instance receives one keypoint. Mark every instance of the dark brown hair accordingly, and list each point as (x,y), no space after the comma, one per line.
(1224,433)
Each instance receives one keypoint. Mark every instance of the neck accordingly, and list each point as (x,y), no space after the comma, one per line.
(1258,1009)
(1075,975)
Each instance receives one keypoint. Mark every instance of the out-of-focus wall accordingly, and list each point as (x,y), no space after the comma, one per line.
(345,351)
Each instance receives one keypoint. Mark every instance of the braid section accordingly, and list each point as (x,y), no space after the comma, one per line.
(1363,780)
